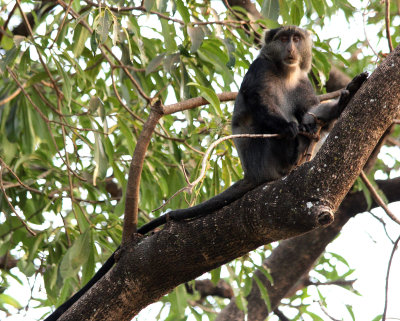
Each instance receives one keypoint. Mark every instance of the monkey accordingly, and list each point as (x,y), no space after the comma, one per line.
(275,97)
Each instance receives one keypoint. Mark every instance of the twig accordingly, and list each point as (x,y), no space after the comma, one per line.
(46,120)
(11,97)
(196,102)
(28,26)
(393,141)
(4,27)
(326,312)
(62,24)
(330,95)
(396,121)
(387,23)
(190,185)
(377,198)
(9,203)
(384,225)
(387,278)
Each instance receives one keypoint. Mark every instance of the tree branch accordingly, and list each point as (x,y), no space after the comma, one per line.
(287,267)
(135,172)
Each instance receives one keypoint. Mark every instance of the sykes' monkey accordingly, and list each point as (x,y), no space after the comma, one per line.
(276,97)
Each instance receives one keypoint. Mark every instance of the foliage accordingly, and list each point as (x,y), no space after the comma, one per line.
(74,97)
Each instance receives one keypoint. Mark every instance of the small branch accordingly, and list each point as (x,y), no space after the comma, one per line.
(9,203)
(331,95)
(224,97)
(62,24)
(135,172)
(190,185)
(4,27)
(34,190)
(196,102)
(326,312)
(383,224)
(11,97)
(377,198)
(387,23)
(280,315)
(393,141)
(387,278)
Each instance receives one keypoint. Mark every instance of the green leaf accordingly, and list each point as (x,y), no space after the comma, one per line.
(75,256)
(33,249)
(6,299)
(295,14)
(154,63)
(103,27)
(67,86)
(263,291)
(100,158)
(127,134)
(366,192)
(350,309)
(89,267)
(270,9)
(378,317)
(196,35)
(93,42)
(314,316)
(115,30)
(81,34)
(215,275)
(9,57)
(148,4)
(13,127)
(209,95)
(7,41)
(183,11)
(319,7)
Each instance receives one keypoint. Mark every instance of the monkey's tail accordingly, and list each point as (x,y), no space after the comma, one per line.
(228,196)
(99,274)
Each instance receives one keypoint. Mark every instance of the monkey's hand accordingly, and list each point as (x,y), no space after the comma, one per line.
(310,128)
(291,130)
(351,89)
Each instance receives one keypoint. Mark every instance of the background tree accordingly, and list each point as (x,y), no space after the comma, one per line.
(89,90)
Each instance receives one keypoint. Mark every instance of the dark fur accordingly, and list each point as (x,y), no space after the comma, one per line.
(274,97)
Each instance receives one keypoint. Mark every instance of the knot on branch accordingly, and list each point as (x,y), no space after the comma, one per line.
(157,107)
(324,215)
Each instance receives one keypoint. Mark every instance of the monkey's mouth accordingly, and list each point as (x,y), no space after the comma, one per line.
(290,61)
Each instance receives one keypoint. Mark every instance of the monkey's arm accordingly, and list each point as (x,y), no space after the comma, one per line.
(327,112)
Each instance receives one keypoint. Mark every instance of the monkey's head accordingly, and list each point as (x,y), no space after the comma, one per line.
(289,46)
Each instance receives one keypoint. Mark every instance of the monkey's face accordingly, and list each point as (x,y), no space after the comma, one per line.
(290,46)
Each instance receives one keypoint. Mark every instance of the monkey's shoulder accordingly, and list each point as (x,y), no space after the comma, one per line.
(257,74)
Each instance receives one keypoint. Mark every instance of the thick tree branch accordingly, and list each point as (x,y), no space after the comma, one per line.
(287,267)
(296,204)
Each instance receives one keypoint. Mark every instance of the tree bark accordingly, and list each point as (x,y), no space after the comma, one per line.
(298,203)
(295,257)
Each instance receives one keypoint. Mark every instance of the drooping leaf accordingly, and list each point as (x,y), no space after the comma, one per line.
(76,256)
(270,9)
(196,35)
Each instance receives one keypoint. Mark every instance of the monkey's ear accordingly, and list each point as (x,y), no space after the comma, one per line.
(270,34)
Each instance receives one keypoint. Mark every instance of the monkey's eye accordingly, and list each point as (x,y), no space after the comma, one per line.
(284,38)
(296,39)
